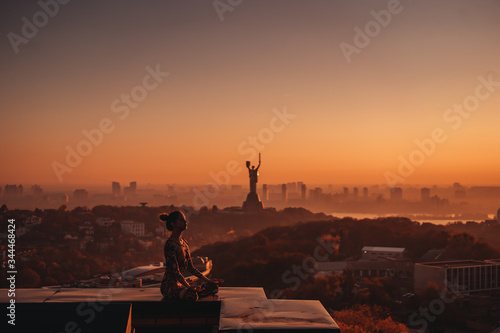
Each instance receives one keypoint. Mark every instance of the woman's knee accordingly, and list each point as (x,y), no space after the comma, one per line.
(188,294)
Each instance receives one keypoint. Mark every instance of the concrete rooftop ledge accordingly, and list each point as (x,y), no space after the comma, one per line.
(143,310)
(273,315)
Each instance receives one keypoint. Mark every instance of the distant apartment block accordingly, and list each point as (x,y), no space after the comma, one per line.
(315,194)
(116,188)
(303,191)
(284,193)
(86,228)
(29,222)
(13,191)
(131,190)
(57,198)
(37,190)
(485,191)
(292,187)
(265,192)
(463,276)
(80,195)
(32,220)
(132,227)
(104,221)
(425,194)
(396,194)
(133,186)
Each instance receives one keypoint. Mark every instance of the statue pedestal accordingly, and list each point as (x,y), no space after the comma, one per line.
(252,202)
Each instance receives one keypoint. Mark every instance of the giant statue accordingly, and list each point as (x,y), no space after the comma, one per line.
(253,203)
(254,175)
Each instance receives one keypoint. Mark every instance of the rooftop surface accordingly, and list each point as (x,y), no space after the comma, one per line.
(144,310)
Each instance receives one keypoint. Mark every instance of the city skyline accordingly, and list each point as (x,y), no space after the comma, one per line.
(439,204)
(329,93)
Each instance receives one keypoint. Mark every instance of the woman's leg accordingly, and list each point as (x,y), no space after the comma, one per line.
(188,294)
(183,293)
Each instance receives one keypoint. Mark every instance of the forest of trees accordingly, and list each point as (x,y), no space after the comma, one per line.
(262,258)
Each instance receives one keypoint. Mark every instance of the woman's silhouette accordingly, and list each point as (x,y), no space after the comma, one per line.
(178,257)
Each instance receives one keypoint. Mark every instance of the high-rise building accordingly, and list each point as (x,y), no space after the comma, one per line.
(58,198)
(13,191)
(498,215)
(37,190)
(130,190)
(355,192)
(425,194)
(80,195)
(303,191)
(284,193)
(365,192)
(346,192)
(396,193)
(265,192)
(292,187)
(316,194)
(116,188)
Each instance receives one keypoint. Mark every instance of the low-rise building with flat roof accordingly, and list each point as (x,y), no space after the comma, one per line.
(462,276)
(381,252)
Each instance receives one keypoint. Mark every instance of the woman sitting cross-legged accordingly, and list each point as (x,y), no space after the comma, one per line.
(178,257)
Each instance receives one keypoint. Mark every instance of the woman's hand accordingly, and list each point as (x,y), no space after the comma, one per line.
(216,281)
(195,288)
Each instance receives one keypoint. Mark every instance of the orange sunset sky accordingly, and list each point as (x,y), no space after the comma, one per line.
(345,116)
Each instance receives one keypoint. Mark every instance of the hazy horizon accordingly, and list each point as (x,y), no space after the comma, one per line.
(244,186)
